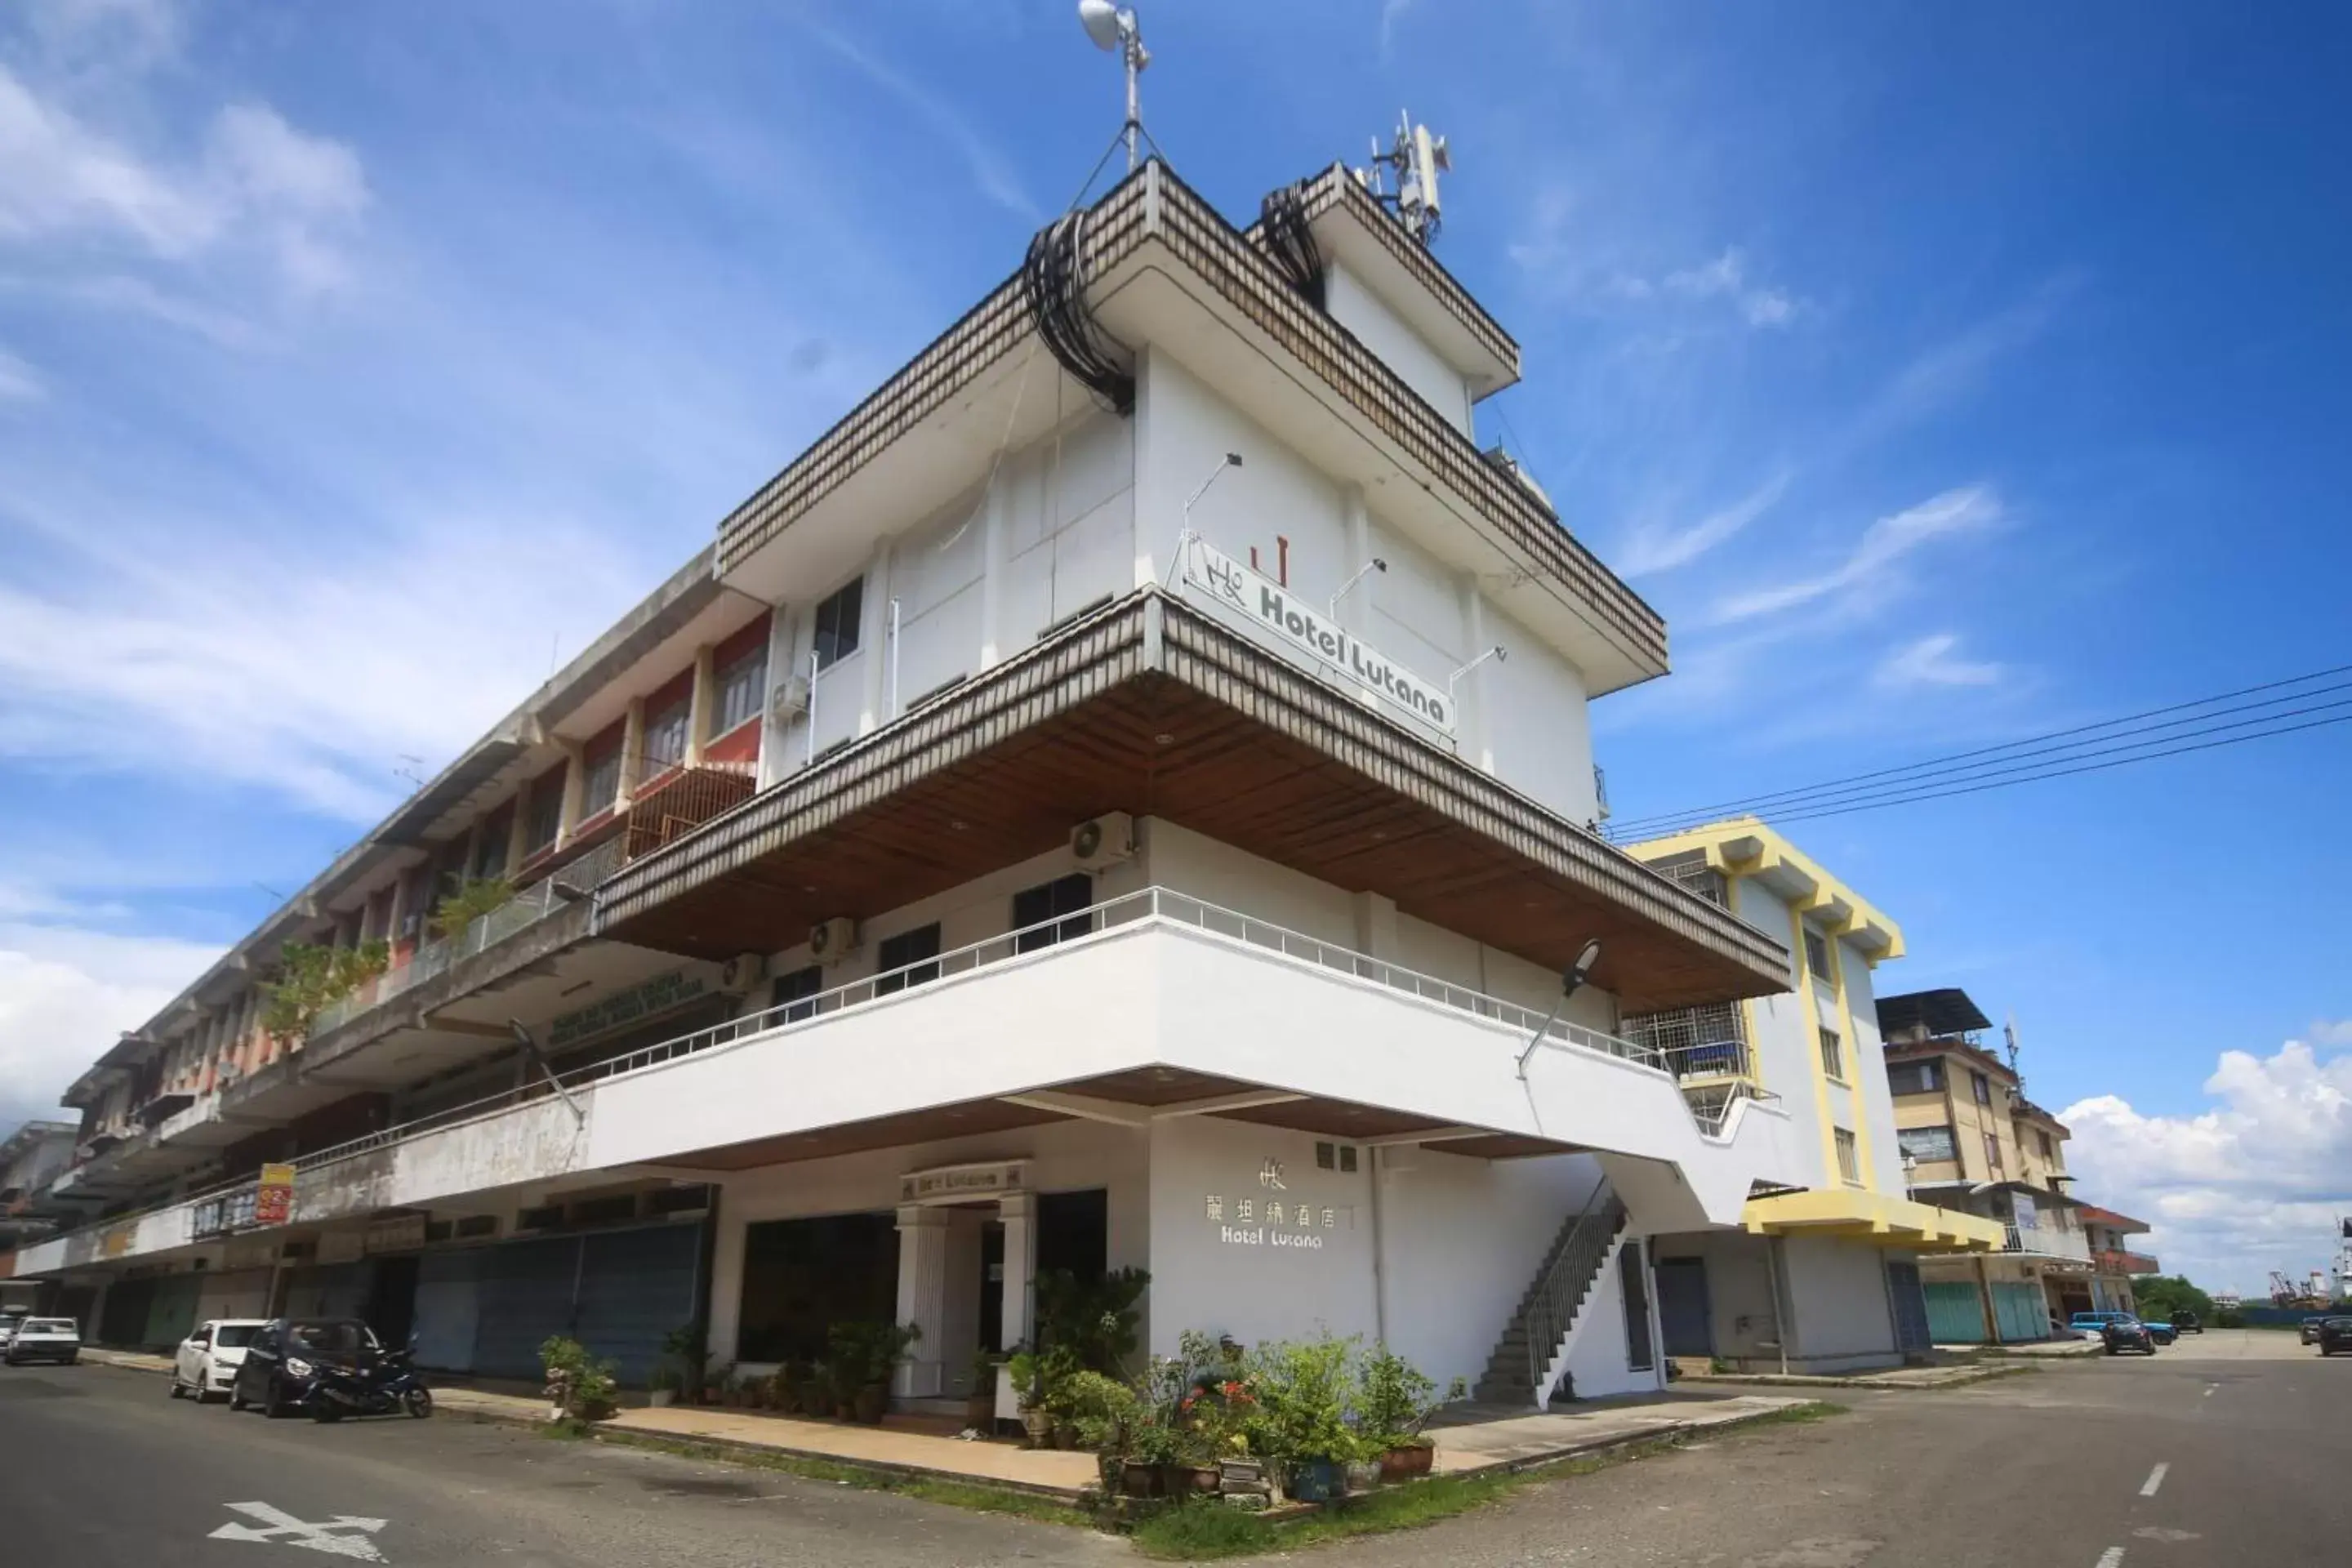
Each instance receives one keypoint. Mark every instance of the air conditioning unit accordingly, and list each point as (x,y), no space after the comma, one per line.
(792,698)
(1103,840)
(831,940)
(740,973)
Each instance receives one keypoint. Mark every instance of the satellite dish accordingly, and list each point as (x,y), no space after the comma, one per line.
(1100,18)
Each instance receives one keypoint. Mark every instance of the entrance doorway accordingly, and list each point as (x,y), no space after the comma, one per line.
(992,1285)
(1074,1233)
(1685,1320)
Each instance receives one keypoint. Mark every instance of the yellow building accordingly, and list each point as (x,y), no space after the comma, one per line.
(1825,1274)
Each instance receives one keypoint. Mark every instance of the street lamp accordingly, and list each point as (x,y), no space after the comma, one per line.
(1374,564)
(1570,983)
(1230,461)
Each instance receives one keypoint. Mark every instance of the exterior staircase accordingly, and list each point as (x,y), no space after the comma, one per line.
(1517,1372)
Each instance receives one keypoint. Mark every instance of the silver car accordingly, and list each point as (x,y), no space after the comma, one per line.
(44,1338)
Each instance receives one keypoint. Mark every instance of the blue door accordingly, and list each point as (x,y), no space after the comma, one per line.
(1682,1313)
(1910,1301)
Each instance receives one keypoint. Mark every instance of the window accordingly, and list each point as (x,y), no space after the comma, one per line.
(1833,1055)
(544,818)
(1849,1156)
(837,622)
(1915,1078)
(741,685)
(1817,954)
(1034,906)
(798,987)
(490,852)
(2041,1142)
(665,735)
(602,786)
(899,960)
(1928,1143)
(1992,1152)
(1983,1087)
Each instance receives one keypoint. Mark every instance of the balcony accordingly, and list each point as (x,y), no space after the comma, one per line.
(2047,1241)
(1152,999)
(2109,1260)
(1705,1048)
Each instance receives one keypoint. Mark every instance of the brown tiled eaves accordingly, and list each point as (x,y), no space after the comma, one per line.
(1152,202)
(1336,187)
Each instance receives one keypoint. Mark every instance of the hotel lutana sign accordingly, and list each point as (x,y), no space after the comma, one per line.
(1275,608)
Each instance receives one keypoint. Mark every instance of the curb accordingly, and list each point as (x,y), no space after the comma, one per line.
(1663,1437)
(1773,1379)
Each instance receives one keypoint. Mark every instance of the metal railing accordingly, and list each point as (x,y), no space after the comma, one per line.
(1567,1279)
(566,885)
(1145,906)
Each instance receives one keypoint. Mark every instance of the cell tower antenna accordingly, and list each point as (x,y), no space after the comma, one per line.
(1416,158)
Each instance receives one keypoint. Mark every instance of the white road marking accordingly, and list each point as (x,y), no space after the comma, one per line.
(276,1526)
(2210,1388)
(2113,1557)
(2154,1479)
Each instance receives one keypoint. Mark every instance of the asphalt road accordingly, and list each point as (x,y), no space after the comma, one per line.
(2059,1468)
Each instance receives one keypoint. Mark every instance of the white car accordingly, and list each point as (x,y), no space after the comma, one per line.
(8,1323)
(44,1338)
(208,1359)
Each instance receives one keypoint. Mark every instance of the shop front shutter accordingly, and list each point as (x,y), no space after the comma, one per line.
(1683,1314)
(449,1308)
(335,1290)
(526,1297)
(172,1310)
(1955,1312)
(635,1286)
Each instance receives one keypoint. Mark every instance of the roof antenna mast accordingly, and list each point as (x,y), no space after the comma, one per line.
(1415,160)
(1114,29)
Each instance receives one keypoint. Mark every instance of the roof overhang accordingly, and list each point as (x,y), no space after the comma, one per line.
(1164,272)
(1878,1218)
(1152,708)
(1747,847)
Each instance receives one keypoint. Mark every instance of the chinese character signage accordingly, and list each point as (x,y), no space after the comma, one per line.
(1272,1221)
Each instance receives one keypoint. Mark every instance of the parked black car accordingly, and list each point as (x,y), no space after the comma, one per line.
(2122,1334)
(2184,1321)
(2335,1334)
(291,1360)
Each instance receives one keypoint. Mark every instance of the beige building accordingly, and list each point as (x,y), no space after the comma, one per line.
(1970,1139)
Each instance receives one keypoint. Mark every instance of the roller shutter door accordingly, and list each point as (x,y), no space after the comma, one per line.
(526,1296)
(1910,1305)
(635,1286)
(449,1308)
(240,1293)
(335,1290)
(1955,1312)
(172,1310)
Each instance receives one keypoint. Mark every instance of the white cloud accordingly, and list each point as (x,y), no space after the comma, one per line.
(1725,278)
(19,382)
(991,170)
(2330,1032)
(215,664)
(252,188)
(1884,544)
(66,992)
(1651,548)
(1392,13)
(1930,662)
(2249,1184)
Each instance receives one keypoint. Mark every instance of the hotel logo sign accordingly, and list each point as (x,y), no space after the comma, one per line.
(1310,629)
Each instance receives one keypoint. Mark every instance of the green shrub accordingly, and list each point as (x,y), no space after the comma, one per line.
(1204,1530)
(577,1383)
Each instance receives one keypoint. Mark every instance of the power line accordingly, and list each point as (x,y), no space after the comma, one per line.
(1988,761)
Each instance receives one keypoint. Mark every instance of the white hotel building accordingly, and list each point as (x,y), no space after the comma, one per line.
(999,852)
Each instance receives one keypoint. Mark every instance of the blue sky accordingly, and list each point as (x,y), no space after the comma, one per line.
(1943,377)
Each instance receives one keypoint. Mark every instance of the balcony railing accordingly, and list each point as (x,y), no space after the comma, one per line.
(1705,1048)
(1683,1063)
(566,885)
(2111,1260)
(2046,1242)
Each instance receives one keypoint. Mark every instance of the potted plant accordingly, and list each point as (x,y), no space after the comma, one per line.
(579,1386)
(1026,1368)
(662,1388)
(979,1403)
(866,1357)
(1394,1401)
(1302,1428)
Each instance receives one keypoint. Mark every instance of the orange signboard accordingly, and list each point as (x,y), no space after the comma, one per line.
(273,1201)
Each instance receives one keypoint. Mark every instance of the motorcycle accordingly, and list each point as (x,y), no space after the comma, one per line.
(388,1386)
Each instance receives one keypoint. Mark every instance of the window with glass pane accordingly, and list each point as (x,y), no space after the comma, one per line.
(795,992)
(1849,1156)
(1034,910)
(490,852)
(898,960)
(1817,955)
(837,622)
(602,785)
(741,684)
(1925,1144)
(1833,1055)
(545,817)
(1992,1152)
(665,735)
(1983,1087)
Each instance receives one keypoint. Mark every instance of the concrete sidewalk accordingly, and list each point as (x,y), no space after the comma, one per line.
(1489,1437)
(1889,1377)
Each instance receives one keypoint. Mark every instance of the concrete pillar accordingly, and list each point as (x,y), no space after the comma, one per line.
(923,1298)
(995,565)
(576,791)
(1376,925)
(1018,1211)
(1984,1296)
(874,639)
(632,753)
(1356,609)
(775,730)
(699,704)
